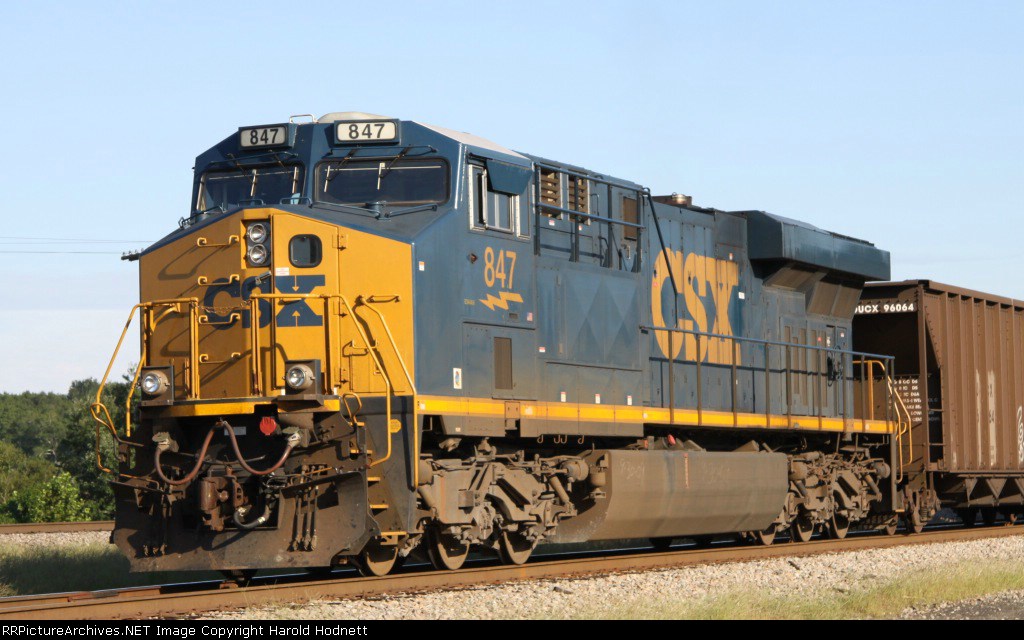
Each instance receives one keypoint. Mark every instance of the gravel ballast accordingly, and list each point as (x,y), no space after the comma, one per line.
(552,599)
(81,538)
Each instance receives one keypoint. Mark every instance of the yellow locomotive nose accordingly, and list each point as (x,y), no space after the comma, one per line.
(261,291)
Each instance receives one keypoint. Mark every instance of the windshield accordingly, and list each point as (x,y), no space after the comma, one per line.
(396,182)
(262,185)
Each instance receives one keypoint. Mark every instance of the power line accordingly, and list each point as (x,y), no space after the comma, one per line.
(114,253)
(104,240)
(31,243)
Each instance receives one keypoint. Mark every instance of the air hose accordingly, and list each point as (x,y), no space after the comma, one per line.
(293,440)
(165,444)
(249,526)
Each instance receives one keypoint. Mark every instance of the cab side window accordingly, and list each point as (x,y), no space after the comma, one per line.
(490,209)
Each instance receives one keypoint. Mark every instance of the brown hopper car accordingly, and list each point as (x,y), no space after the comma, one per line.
(959,368)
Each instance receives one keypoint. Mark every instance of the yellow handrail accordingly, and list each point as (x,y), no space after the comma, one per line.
(360,301)
(370,347)
(904,420)
(98,410)
(102,416)
(368,303)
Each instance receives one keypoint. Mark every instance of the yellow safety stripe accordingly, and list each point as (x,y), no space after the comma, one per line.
(568,412)
(555,411)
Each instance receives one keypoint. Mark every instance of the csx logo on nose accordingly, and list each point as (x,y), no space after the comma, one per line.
(293,313)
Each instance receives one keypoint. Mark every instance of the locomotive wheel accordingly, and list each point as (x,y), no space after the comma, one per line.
(969,516)
(767,536)
(513,548)
(801,530)
(914,522)
(838,526)
(890,528)
(377,560)
(445,552)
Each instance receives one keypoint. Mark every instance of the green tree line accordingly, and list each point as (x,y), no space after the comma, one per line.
(48,469)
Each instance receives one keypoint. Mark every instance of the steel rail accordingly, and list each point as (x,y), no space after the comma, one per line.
(171,600)
(57,527)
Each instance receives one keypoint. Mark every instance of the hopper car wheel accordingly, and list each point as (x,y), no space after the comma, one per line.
(767,536)
(969,516)
(801,530)
(1011,517)
(838,526)
(890,528)
(377,559)
(445,552)
(514,548)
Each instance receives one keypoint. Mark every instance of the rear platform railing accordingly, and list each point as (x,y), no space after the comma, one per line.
(895,406)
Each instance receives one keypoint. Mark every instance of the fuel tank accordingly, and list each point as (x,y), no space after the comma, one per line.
(654,494)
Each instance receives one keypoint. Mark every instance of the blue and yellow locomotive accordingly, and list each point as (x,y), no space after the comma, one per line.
(374,337)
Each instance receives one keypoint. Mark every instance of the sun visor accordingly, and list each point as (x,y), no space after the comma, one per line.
(508,178)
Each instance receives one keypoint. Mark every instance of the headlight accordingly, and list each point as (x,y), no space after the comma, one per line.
(154,383)
(299,377)
(258,254)
(257,233)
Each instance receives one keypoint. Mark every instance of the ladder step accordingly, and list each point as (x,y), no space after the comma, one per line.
(379,507)
(373,479)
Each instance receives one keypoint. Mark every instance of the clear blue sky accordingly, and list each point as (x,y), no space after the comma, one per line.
(898,122)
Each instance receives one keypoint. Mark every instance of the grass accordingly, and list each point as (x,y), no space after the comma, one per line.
(35,569)
(878,600)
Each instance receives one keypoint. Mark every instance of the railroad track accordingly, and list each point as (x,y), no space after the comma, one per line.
(57,527)
(181,599)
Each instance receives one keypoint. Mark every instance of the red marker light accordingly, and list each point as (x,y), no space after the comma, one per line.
(268,426)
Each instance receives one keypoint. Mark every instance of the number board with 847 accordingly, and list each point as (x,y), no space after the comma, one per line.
(272,136)
(367,131)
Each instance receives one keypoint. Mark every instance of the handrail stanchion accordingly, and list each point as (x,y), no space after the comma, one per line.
(328,361)
(671,379)
(847,423)
(256,356)
(789,388)
(767,388)
(700,387)
(735,383)
(819,401)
